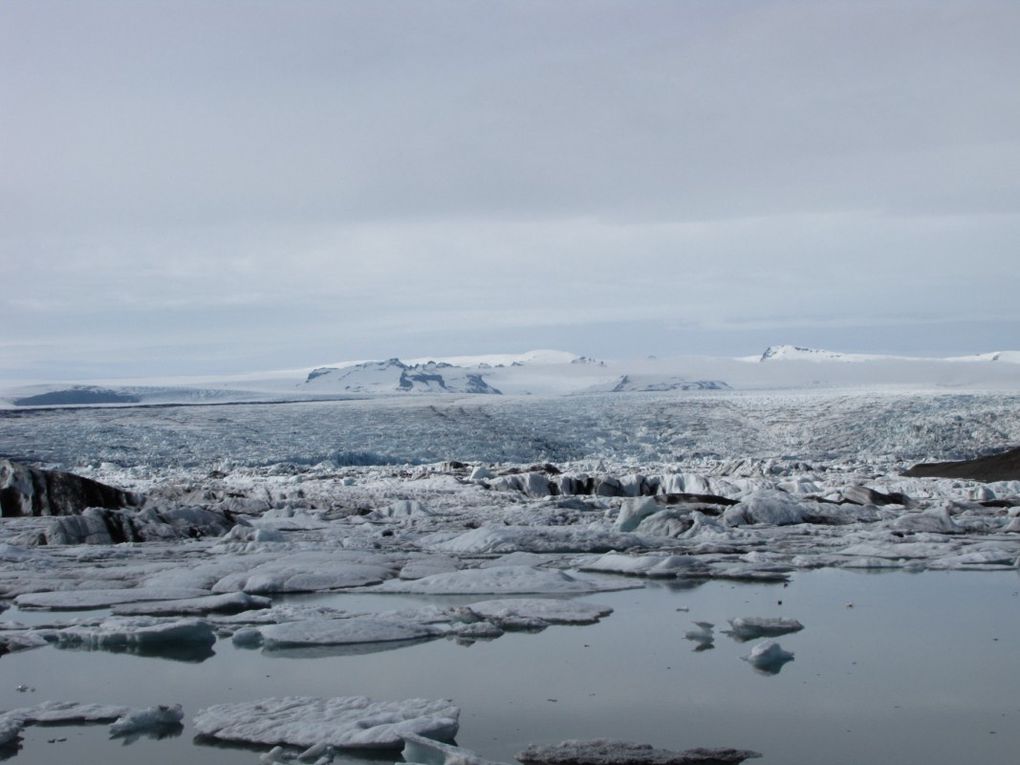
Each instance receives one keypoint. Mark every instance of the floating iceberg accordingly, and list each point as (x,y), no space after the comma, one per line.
(753,627)
(148,719)
(768,657)
(313,632)
(498,580)
(346,722)
(550,611)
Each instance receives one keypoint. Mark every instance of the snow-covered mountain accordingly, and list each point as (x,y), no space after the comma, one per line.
(394,376)
(800,353)
(652,383)
(545,373)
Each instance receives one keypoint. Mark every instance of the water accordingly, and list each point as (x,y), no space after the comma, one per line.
(921,668)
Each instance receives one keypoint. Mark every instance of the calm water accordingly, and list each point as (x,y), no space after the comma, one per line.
(922,669)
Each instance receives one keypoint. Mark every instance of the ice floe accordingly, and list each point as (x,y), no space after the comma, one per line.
(346,722)
(509,580)
(510,611)
(75,600)
(316,632)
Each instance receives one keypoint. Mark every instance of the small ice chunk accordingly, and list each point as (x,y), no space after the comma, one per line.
(746,628)
(247,637)
(147,719)
(703,633)
(419,750)
(768,657)
(346,722)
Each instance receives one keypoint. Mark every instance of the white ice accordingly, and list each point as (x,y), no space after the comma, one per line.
(349,722)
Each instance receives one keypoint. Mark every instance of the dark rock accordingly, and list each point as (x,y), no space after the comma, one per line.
(682,498)
(862,495)
(97,526)
(996,467)
(80,395)
(26,491)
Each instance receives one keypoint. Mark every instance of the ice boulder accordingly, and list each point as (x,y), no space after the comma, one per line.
(346,722)
(768,657)
(935,521)
(633,511)
(419,750)
(767,506)
(148,719)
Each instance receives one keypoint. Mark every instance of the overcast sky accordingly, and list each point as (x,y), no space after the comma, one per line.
(215,187)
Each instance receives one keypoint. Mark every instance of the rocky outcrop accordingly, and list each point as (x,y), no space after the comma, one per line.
(26,491)
(997,467)
(99,526)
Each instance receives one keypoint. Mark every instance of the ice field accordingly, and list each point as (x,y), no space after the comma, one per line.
(681,569)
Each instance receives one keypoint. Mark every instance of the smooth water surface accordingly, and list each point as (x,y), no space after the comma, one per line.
(920,669)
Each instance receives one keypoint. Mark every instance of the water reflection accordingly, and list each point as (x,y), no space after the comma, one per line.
(156,733)
(191,653)
(355,649)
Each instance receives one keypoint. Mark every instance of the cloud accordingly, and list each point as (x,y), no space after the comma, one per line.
(284,177)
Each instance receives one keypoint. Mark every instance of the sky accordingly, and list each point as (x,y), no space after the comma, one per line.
(205,188)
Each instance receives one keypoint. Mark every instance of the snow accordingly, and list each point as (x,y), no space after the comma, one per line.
(346,722)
